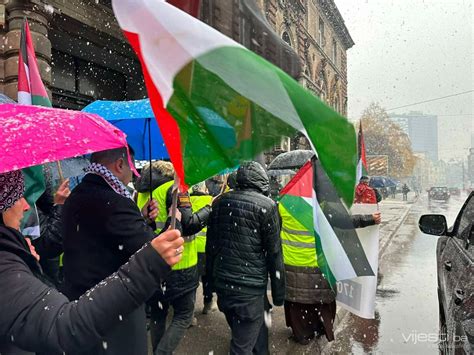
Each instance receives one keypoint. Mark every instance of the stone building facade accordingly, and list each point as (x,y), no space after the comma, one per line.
(83,56)
(315,29)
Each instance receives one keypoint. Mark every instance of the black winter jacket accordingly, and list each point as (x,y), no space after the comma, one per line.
(101,230)
(37,318)
(243,238)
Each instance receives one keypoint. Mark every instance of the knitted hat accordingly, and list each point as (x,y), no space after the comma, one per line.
(12,188)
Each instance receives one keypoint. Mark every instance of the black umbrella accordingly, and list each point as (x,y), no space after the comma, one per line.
(294,159)
(280,172)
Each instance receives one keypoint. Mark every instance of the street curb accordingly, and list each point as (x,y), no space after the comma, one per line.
(342,313)
(389,238)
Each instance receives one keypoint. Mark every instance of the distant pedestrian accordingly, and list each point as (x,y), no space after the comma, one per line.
(243,250)
(393,191)
(366,194)
(405,190)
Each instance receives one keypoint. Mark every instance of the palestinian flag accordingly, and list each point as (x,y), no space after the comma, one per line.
(362,167)
(311,199)
(31,91)
(217,103)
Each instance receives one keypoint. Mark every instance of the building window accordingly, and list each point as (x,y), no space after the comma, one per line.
(321,32)
(334,51)
(286,37)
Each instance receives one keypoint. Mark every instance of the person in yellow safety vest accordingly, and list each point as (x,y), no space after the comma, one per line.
(199,199)
(310,305)
(309,301)
(179,287)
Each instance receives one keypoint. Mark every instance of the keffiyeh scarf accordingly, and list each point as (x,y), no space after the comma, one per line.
(110,179)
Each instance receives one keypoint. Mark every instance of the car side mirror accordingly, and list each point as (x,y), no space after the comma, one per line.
(434,224)
(470,237)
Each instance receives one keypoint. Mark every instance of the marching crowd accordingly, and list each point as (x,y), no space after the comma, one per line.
(110,263)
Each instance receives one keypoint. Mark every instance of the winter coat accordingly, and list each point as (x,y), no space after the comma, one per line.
(365,194)
(243,238)
(362,220)
(101,230)
(37,318)
(307,285)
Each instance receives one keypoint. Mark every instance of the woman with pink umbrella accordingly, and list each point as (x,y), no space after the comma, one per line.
(34,316)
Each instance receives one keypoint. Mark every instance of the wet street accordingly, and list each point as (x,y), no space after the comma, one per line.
(406,303)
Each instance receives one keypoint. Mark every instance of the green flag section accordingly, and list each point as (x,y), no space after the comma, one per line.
(217,103)
(312,201)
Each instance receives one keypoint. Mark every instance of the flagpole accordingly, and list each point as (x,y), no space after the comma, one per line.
(60,172)
(174,203)
(224,184)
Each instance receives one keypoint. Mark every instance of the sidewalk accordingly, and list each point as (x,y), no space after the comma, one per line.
(212,335)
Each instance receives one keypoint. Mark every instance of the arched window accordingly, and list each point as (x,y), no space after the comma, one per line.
(286,37)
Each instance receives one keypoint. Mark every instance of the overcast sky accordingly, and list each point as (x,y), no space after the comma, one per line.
(410,50)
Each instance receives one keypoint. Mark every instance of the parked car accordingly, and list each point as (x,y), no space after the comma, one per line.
(454,191)
(455,260)
(439,193)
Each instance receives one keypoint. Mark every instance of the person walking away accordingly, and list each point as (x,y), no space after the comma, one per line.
(179,288)
(243,249)
(199,199)
(102,228)
(310,305)
(405,191)
(36,318)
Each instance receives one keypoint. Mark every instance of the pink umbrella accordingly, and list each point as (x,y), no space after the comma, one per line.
(33,135)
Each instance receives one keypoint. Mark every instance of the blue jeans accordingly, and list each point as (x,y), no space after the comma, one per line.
(167,340)
(246,321)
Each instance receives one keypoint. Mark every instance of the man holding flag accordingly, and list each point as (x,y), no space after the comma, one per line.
(307,240)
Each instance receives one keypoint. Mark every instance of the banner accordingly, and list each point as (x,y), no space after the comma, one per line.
(357,295)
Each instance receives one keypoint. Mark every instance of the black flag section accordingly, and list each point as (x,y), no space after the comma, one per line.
(340,220)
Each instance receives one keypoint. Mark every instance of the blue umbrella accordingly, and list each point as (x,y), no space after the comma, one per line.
(137,121)
(4,99)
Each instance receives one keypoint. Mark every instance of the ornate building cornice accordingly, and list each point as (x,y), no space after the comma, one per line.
(332,13)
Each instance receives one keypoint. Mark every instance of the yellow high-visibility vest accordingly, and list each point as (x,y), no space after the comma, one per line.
(189,258)
(298,244)
(197,203)
(159,195)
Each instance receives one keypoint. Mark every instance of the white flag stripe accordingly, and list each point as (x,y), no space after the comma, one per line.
(173,38)
(334,253)
(24,98)
(359,171)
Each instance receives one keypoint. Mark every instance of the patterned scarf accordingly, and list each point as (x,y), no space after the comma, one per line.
(111,179)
